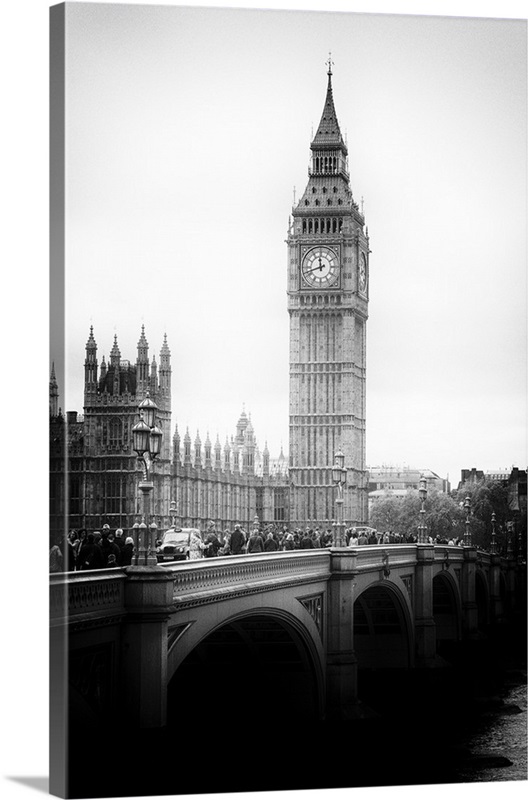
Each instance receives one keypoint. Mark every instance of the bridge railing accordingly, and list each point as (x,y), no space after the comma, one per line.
(86,594)
(214,577)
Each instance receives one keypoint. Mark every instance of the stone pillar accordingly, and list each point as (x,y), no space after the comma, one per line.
(424,624)
(148,596)
(496,609)
(469,605)
(341,662)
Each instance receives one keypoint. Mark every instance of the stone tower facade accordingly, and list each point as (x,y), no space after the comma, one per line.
(328,284)
(112,394)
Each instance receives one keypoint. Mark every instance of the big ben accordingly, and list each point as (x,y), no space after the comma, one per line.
(328,286)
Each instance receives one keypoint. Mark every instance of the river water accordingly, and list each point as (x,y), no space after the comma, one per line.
(500,733)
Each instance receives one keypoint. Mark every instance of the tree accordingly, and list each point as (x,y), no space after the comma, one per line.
(443,516)
(486,497)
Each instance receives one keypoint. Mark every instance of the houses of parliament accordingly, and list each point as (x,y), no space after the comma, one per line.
(94,471)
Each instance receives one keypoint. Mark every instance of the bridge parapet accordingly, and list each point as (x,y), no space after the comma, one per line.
(86,594)
(212,579)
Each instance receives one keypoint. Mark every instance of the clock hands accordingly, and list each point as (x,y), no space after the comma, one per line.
(320,267)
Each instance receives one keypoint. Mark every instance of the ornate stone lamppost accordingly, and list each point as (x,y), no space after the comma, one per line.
(422,527)
(493,534)
(339,476)
(467,534)
(146,441)
(509,546)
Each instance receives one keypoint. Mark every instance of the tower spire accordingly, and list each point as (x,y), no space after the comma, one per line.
(328,133)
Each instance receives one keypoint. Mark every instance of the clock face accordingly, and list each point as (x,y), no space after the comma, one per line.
(362,274)
(320,267)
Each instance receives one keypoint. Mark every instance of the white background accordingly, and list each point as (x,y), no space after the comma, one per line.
(24,657)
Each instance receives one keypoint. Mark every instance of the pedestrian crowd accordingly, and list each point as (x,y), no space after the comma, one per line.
(98,550)
(104,549)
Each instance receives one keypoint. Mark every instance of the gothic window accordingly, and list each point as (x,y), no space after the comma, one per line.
(114,495)
(339,202)
(304,226)
(317,202)
(75,496)
(313,187)
(329,201)
(334,225)
(306,202)
(324,189)
(335,189)
(279,505)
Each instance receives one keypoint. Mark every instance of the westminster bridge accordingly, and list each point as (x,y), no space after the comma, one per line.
(142,641)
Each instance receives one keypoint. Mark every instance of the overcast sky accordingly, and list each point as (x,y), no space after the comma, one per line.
(188,132)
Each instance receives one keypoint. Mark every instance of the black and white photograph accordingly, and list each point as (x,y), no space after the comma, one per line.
(284,442)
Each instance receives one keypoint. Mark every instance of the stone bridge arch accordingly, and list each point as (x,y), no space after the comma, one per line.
(383,642)
(383,628)
(447,609)
(259,664)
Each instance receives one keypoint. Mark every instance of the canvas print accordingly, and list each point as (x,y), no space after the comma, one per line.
(287,400)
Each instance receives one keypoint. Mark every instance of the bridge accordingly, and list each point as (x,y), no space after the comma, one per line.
(144,643)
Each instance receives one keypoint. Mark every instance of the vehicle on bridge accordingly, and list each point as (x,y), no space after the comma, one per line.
(175,544)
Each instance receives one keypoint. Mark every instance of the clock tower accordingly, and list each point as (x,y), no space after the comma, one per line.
(328,277)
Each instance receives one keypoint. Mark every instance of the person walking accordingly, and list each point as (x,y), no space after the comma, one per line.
(196,546)
(237,541)
(55,557)
(255,543)
(127,552)
(306,541)
(270,544)
(90,554)
(109,547)
(288,542)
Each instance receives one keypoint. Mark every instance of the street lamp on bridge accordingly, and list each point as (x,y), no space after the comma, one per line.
(146,441)
(422,527)
(467,534)
(339,476)
(493,539)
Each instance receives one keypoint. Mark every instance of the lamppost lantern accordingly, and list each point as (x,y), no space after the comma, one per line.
(141,437)
(156,435)
(147,409)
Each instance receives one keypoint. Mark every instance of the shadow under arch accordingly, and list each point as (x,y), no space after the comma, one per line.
(447,613)
(383,645)
(383,631)
(258,668)
(482,600)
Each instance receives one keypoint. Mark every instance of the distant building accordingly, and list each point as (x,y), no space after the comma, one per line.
(474,475)
(399,481)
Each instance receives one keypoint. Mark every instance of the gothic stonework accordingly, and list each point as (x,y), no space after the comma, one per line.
(328,264)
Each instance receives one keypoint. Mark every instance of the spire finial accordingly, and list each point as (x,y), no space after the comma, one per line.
(329,63)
